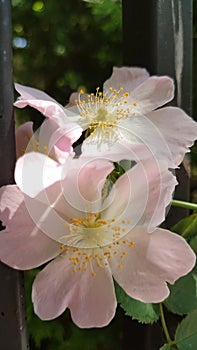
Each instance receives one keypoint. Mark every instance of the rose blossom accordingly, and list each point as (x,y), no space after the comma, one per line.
(90,237)
(125,119)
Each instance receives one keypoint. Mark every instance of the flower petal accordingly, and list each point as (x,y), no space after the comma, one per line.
(34,172)
(177,128)
(141,195)
(77,193)
(23,135)
(151,94)
(38,100)
(155,258)
(46,218)
(22,245)
(127,146)
(140,130)
(83,181)
(58,141)
(49,127)
(11,197)
(58,287)
(127,77)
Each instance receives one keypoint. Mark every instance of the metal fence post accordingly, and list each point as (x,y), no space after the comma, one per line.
(13,334)
(157,34)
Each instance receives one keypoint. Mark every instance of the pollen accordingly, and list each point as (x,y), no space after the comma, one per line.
(103,110)
(92,242)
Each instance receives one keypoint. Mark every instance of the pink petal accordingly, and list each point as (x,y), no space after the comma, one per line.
(72,99)
(177,128)
(51,222)
(155,258)
(161,186)
(151,94)
(58,287)
(11,197)
(22,245)
(38,100)
(83,181)
(23,135)
(127,77)
(58,141)
(92,176)
(34,172)
(50,130)
(141,195)
(138,138)
(140,130)
(121,149)
(77,193)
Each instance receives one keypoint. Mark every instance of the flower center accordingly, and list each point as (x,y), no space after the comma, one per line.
(103,109)
(92,231)
(93,242)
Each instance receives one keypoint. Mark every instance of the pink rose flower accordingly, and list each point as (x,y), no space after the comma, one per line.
(90,236)
(125,120)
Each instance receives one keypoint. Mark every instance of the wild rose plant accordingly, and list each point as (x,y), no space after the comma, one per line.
(92,224)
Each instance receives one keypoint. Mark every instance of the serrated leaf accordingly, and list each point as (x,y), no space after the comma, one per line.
(186,333)
(183,294)
(143,312)
(186,227)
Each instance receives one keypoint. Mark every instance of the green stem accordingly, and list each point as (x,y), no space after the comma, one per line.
(183,204)
(163,322)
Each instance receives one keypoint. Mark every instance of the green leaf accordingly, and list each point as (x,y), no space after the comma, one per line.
(186,333)
(143,312)
(43,330)
(187,227)
(193,244)
(183,294)
(165,347)
(168,347)
(106,338)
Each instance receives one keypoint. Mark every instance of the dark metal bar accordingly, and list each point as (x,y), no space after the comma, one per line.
(13,334)
(157,34)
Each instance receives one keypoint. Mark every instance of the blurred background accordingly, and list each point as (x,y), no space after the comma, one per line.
(60,47)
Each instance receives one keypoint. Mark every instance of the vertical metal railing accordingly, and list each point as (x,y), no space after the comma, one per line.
(157,34)
(13,334)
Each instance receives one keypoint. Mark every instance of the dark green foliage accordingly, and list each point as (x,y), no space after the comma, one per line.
(186,333)
(69,44)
